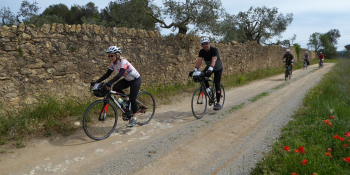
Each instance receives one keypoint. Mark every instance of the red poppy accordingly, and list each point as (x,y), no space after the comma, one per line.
(347,134)
(341,138)
(326,121)
(301,149)
(331,116)
(296,151)
(336,137)
(347,159)
(286,148)
(329,154)
(329,149)
(304,162)
(330,124)
(294,174)
(346,145)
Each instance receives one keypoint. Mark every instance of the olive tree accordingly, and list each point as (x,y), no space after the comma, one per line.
(261,23)
(26,11)
(202,14)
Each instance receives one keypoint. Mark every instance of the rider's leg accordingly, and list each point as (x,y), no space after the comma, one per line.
(120,85)
(206,82)
(134,90)
(291,66)
(217,80)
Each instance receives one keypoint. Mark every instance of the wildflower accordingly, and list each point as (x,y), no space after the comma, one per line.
(341,138)
(296,151)
(329,154)
(346,145)
(347,134)
(301,149)
(286,148)
(304,162)
(336,137)
(330,124)
(326,121)
(347,159)
(329,149)
(331,116)
(294,174)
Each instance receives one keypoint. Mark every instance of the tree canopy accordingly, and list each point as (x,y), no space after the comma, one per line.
(202,14)
(258,24)
(325,42)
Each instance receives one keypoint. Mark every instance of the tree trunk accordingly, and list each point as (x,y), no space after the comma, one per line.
(183,30)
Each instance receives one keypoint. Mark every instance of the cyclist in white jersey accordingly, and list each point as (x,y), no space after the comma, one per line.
(131,78)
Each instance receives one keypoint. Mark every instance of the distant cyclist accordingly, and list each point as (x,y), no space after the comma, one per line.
(321,57)
(214,65)
(289,59)
(306,57)
(131,78)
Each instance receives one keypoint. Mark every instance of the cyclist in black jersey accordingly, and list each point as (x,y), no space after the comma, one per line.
(289,59)
(211,57)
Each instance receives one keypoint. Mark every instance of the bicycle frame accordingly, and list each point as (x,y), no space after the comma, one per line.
(211,100)
(124,111)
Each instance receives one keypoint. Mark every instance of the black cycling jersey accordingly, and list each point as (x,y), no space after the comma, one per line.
(306,56)
(288,58)
(207,56)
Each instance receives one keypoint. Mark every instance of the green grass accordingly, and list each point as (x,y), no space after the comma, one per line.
(259,96)
(236,107)
(48,115)
(330,97)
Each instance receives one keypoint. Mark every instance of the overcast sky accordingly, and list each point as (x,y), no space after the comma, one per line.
(309,15)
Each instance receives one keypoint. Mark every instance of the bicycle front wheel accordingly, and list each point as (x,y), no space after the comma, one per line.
(100,120)
(222,95)
(146,106)
(199,103)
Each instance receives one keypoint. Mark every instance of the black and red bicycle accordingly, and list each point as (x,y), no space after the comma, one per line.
(100,118)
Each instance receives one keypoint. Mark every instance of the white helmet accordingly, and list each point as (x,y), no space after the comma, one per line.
(320,52)
(114,49)
(288,50)
(205,40)
(306,52)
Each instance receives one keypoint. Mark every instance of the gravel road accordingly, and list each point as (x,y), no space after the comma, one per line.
(174,142)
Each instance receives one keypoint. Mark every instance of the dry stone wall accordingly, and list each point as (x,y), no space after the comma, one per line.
(63,59)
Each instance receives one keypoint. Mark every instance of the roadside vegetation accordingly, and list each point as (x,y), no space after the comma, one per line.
(317,139)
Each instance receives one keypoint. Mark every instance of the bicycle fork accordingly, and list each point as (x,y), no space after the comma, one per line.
(103,113)
(201,102)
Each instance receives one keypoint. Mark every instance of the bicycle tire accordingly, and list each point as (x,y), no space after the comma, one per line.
(95,128)
(196,106)
(145,115)
(222,99)
(286,74)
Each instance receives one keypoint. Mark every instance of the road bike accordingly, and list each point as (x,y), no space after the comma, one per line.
(100,118)
(320,64)
(201,95)
(305,64)
(288,72)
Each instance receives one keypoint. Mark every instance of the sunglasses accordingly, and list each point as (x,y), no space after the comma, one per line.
(205,44)
(110,56)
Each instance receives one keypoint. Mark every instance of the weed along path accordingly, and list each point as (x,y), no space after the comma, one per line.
(229,141)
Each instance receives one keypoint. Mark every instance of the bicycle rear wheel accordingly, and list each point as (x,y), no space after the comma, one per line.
(146,106)
(100,120)
(222,98)
(199,103)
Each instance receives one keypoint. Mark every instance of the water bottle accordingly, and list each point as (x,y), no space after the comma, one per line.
(121,102)
(209,91)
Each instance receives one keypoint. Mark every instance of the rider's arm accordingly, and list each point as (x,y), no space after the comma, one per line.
(120,74)
(106,75)
(199,62)
(213,61)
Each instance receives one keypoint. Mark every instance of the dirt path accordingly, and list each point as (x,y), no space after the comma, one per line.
(175,142)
